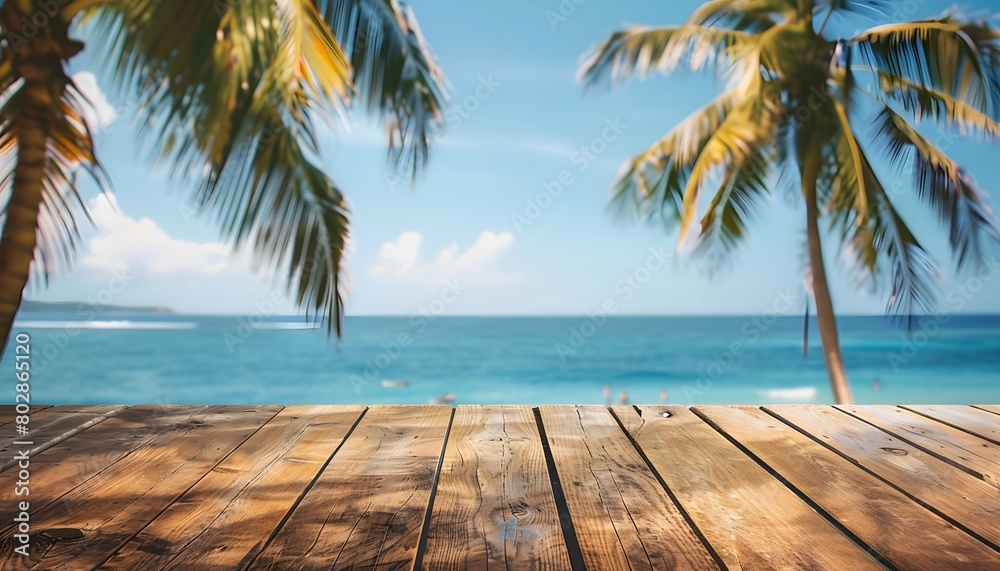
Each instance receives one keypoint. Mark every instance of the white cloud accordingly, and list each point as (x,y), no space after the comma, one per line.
(100,114)
(141,245)
(556,149)
(403,256)
(487,247)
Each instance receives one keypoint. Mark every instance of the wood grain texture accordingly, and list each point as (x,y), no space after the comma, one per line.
(952,445)
(238,487)
(367,509)
(111,507)
(74,461)
(980,423)
(994,408)
(877,514)
(51,426)
(223,520)
(494,507)
(953,493)
(750,519)
(620,513)
(8,412)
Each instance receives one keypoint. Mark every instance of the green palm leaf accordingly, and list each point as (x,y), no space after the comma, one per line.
(395,71)
(877,236)
(636,51)
(958,58)
(921,101)
(942,184)
(70,150)
(240,121)
(653,183)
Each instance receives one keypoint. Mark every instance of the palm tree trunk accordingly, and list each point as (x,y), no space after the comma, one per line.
(17,246)
(825,318)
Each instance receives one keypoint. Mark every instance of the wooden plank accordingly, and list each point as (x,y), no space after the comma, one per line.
(367,509)
(52,426)
(953,493)
(957,447)
(620,513)
(74,461)
(994,408)
(749,518)
(113,506)
(493,508)
(8,412)
(879,515)
(980,423)
(223,520)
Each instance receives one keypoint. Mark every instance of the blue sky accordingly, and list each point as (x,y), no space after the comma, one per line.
(509,218)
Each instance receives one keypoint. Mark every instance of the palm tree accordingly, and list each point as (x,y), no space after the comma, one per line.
(803,106)
(230,90)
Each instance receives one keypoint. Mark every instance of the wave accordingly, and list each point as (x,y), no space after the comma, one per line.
(797,394)
(111,324)
(286,325)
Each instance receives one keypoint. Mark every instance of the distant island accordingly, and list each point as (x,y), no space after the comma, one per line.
(63,307)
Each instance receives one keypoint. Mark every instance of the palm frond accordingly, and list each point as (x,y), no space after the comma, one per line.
(652,183)
(729,147)
(922,102)
(948,55)
(313,52)
(880,241)
(240,121)
(744,185)
(290,213)
(395,71)
(69,151)
(859,207)
(942,184)
(747,15)
(634,52)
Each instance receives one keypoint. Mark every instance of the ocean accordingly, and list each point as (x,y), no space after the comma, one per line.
(148,359)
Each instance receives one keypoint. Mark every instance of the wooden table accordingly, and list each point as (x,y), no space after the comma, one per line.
(505,487)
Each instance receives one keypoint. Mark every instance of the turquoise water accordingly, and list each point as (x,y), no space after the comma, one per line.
(739,360)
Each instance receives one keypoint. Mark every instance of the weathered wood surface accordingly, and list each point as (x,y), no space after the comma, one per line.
(930,481)
(967,451)
(750,518)
(367,509)
(994,408)
(8,413)
(974,421)
(50,427)
(880,516)
(494,506)
(507,487)
(221,520)
(116,503)
(622,516)
(80,458)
